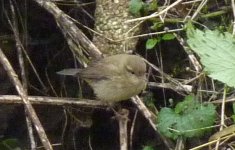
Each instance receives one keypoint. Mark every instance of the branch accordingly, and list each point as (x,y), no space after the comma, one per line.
(42,100)
(30,110)
(70,29)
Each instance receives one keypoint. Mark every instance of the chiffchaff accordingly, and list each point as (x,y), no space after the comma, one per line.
(114,78)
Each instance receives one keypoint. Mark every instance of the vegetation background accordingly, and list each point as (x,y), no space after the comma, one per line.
(41,37)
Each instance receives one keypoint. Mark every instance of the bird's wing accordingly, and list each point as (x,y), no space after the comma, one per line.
(99,71)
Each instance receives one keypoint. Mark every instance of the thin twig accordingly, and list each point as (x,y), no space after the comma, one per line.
(132,129)
(233,6)
(148,115)
(211,142)
(69,28)
(189,2)
(23,72)
(30,110)
(202,4)
(168,77)
(27,57)
(122,117)
(191,56)
(151,119)
(151,34)
(170,86)
(42,100)
(156,14)
(223,109)
(222,117)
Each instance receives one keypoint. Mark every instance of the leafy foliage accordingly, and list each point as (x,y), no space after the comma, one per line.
(168,36)
(156,25)
(138,7)
(10,144)
(148,148)
(216,51)
(151,43)
(188,119)
(150,6)
(135,7)
(233,116)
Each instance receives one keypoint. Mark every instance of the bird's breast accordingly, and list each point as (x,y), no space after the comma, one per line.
(118,88)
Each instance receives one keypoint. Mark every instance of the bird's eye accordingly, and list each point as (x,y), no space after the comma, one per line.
(132,72)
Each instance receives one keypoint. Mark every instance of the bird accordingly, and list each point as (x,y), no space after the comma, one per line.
(114,78)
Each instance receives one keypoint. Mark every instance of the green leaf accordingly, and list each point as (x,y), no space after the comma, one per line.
(168,36)
(187,105)
(151,43)
(150,6)
(234,108)
(190,122)
(233,116)
(157,25)
(217,53)
(10,144)
(148,148)
(167,119)
(135,7)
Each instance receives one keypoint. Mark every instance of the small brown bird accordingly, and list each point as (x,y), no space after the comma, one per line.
(114,78)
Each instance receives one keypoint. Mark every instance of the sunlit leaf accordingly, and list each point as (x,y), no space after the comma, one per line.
(188,119)
(217,53)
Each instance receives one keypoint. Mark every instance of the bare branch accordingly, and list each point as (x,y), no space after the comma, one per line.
(30,110)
